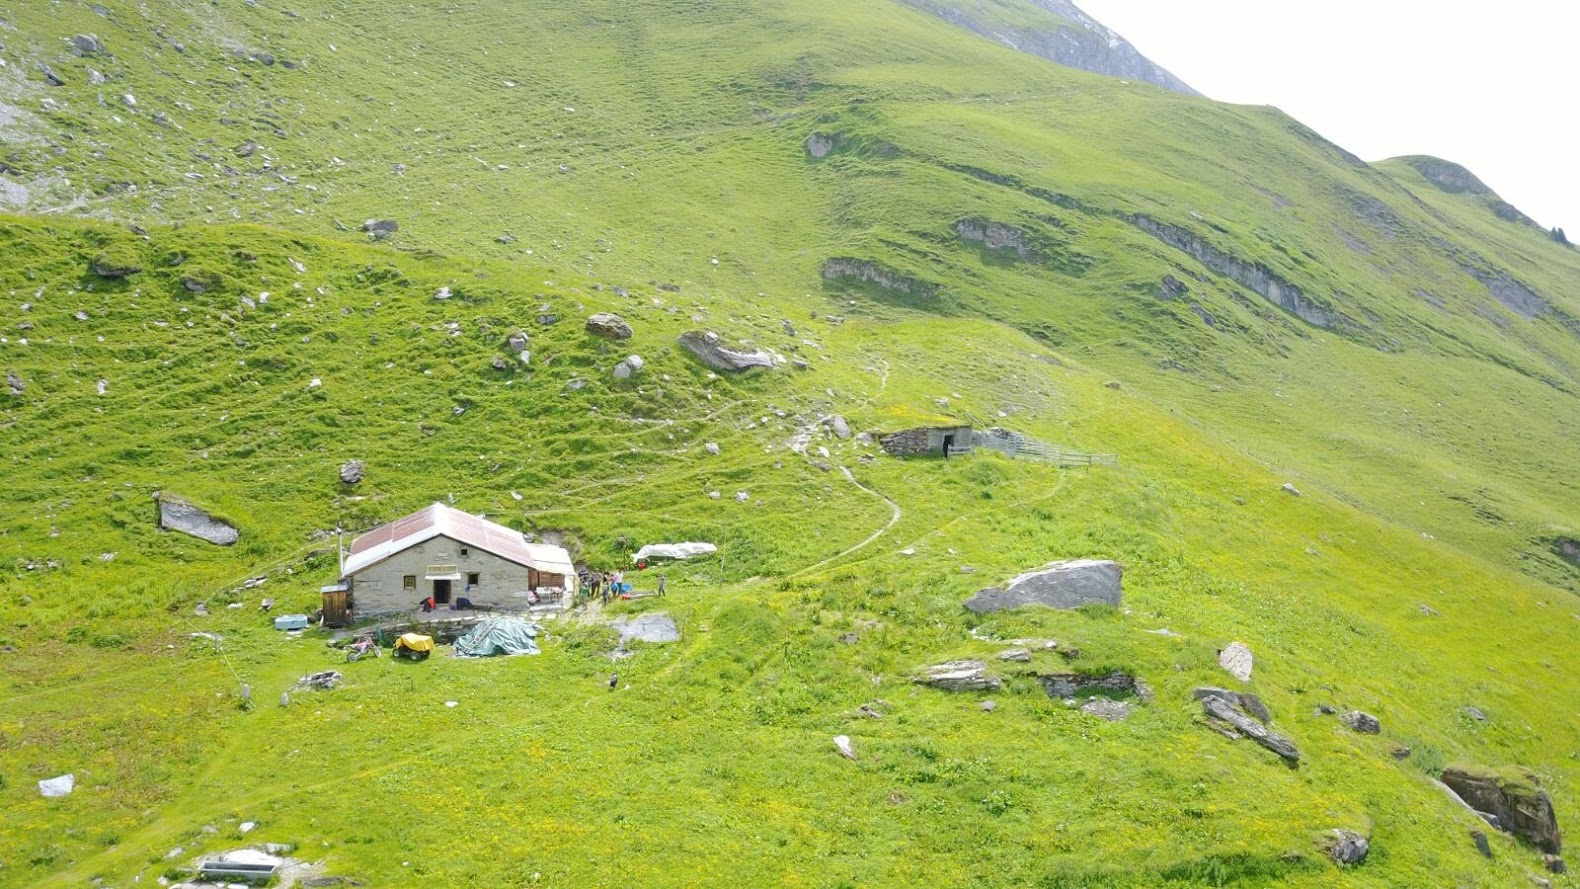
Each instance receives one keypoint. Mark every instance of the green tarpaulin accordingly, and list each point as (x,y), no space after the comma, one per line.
(499,636)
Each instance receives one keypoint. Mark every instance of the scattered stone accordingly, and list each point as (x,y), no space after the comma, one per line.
(789,328)
(14,383)
(1476,714)
(712,447)
(1400,752)
(87,45)
(1428,610)
(1238,660)
(609,326)
(381,227)
(194,284)
(1513,796)
(1064,585)
(848,638)
(706,347)
(179,514)
(1362,722)
(1221,709)
(442,293)
(843,744)
(1346,847)
(547,319)
(1554,864)
(989,706)
(1018,655)
(742,496)
(50,76)
(628,368)
(1291,489)
(1479,837)
(968,675)
(819,145)
(1114,384)
(517,341)
(499,363)
(351,471)
(1109,709)
(57,787)
(201,610)
(247,148)
(840,427)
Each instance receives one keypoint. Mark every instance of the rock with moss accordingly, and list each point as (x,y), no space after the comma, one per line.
(1514,799)
(116,264)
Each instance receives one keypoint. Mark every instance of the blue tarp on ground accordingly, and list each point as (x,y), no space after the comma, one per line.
(499,636)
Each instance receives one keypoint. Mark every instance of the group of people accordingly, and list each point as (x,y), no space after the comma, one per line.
(607,585)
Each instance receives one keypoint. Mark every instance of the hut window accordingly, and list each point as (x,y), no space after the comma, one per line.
(409,583)
(472,578)
(464,551)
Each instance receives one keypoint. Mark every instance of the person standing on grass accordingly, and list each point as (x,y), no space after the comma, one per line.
(609,584)
(663,585)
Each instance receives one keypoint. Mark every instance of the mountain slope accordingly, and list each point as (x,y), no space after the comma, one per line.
(941,229)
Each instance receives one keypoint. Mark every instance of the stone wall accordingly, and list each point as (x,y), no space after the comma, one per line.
(378,589)
(923,441)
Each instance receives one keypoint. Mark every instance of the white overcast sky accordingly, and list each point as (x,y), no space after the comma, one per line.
(1489,86)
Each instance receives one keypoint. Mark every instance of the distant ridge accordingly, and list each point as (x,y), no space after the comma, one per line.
(1059,31)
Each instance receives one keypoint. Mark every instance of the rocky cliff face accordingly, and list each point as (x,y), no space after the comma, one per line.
(1059,31)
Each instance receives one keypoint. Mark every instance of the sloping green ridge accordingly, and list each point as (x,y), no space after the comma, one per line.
(1432,429)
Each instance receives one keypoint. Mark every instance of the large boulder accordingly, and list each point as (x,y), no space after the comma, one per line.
(1514,797)
(14,383)
(707,347)
(1247,702)
(1361,721)
(959,676)
(179,514)
(609,326)
(1066,585)
(1237,660)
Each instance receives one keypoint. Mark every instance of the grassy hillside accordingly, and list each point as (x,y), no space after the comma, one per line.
(951,230)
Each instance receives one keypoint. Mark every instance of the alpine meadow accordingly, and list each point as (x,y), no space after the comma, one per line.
(1106,486)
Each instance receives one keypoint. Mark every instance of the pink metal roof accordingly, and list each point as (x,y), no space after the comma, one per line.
(440,520)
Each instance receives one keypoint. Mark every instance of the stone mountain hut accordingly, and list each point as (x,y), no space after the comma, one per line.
(448,554)
(934,441)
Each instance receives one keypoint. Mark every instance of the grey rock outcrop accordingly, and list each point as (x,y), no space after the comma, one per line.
(351,471)
(1109,709)
(1114,685)
(708,348)
(1250,703)
(1064,585)
(516,342)
(1172,288)
(1251,275)
(1365,723)
(1237,660)
(1568,550)
(178,514)
(840,427)
(819,145)
(14,383)
(1346,847)
(844,268)
(966,675)
(1223,710)
(1514,799)
(609,326)
(994,236)
(844,746)
(381,226)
